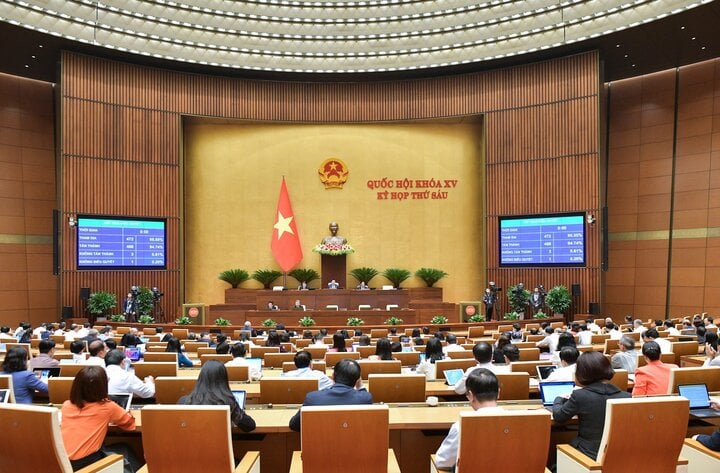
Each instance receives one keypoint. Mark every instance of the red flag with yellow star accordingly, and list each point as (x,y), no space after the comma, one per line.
(285,239)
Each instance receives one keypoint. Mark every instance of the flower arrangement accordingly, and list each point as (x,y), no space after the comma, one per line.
(476,318)
(269,323)
(306,321)
(540,315)
(333,249)
(222,322)
(146,319)
(439,319)
(393,321)
(184,320)
(511,316)
(117,318)
(355,321)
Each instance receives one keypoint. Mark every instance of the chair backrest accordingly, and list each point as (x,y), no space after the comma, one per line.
(149,331)
(529,367)
(259,351)
(205,351)
(611,345)
(475,332)
(514,386)
(179,333)
(193,346)
(599,338)
(168,389)
(504,328)
(238,373)
(501,433)
(408,358)
(155,369)
(361,433)
(460,355)
(529,354)
(303,342)
(25,346)
(366,351)
(317,353)
(318,365)
(620,379)
(397,387)
(168,430)
(160,356)
(631,422)
(524,344)
(6,383)
(154,349)
(331,358)
(286,390)
(684,348)
(45,452)
(58,339)
(214,356)
(709,376)
(378,332)
(443,365)
(379,366)
(59,389)
(70,371)
(275,360)
(124,330)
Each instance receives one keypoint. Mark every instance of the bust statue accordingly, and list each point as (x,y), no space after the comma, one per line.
(334,238)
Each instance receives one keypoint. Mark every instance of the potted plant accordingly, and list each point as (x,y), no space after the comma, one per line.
(393,321)
(355,321)
(184,320)
(439,319)
(540,315)
(144,302)
(268,323)
(396,276)
(430,275)
(364,274)
(511,316)
(476,318)
(222,322)
(117,318)
(266,276)
(518,298)
(101,302)
(558,299)
(304,275)
(146,319)
(306,321)
(234,277)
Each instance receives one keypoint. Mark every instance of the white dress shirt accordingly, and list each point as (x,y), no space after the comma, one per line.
(325,382)
(121,381)
(446,456)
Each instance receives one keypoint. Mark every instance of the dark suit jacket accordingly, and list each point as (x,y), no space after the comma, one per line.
(589,405)
(335,395)
(711,441)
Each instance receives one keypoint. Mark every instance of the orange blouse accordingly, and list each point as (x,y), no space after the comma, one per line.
(83,430)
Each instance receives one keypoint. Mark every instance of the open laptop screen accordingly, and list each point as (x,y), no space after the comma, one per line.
(697,394)
(453,376)
(121,399)
(549,391)
(240,397)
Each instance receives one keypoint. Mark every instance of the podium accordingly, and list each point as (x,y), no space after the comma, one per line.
(333,267)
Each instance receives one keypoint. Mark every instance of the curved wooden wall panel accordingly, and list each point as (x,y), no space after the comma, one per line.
(122,120)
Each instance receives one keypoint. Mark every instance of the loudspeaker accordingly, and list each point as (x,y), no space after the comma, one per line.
(576,290)
(67,312)
(594,308)
(84,293)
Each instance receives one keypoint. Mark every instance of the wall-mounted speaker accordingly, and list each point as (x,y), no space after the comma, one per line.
(594,308)
(576,290)
(84,293)
(67,312)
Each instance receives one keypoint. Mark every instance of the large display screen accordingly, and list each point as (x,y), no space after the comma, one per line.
(120,243)
(543,240)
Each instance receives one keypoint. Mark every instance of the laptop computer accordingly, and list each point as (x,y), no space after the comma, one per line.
(699,399)
(543,371)
(132,353)
(552,389)
(121,399)
(453,376)
(4,396)
(44,373)
(239,397)
(255,364)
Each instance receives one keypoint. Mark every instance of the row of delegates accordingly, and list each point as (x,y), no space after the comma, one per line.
(303,360)
(85,419)
(711,350)
(346,390)
(25,383)
(213,389)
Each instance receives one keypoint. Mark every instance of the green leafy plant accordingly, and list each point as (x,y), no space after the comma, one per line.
(306,321)
(222,322)
(144,302)
(396,276)
(364,274)
(558,299)
(117,318)
(430,275)
(184,320)
(234,277)
(355,321)
(439,319)
(146,319)
(518,298)
(101,302)
(540,315)
(269,323)
(511,316)
(304,275)
(476,318)
(393,321)
(266,276)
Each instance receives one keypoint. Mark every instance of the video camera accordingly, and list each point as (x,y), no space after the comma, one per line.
(157,294)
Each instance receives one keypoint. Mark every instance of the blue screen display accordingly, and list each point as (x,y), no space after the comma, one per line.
(545,240)
(120,243)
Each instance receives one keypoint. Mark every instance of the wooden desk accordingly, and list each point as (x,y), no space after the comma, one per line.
(320,298)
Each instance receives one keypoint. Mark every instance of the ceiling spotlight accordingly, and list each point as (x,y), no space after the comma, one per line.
(682,27)
(693,38)
(27,65)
